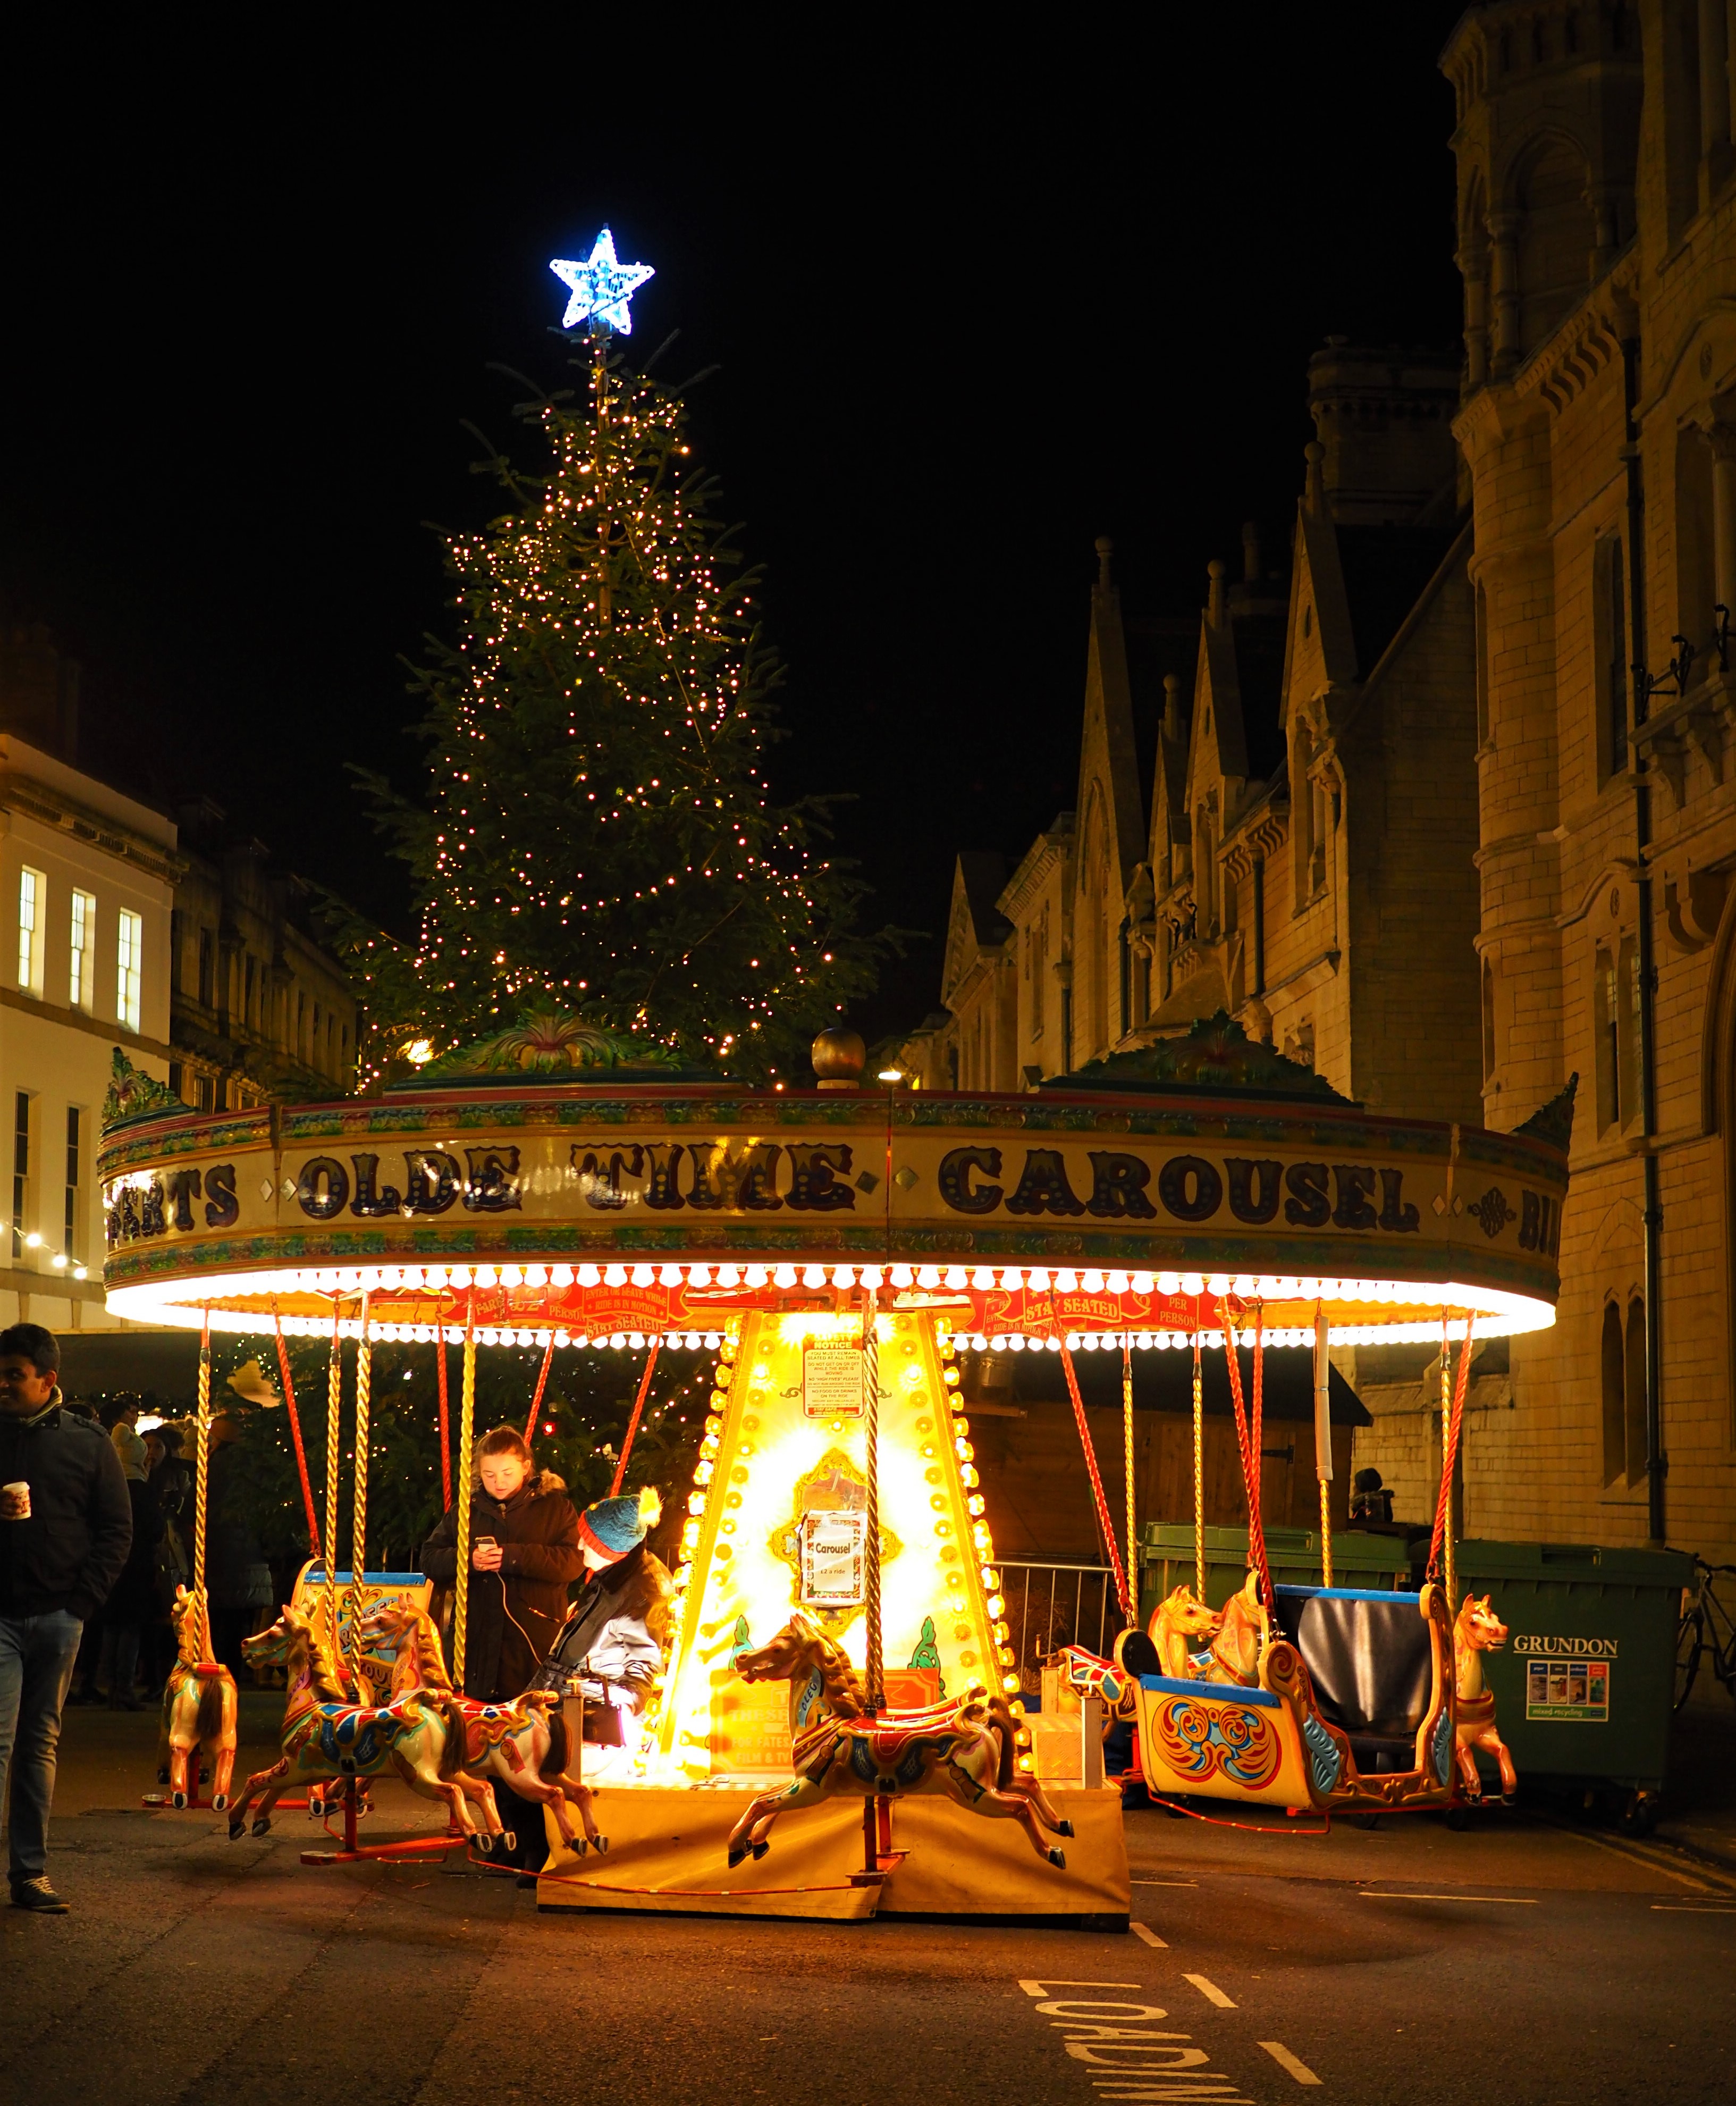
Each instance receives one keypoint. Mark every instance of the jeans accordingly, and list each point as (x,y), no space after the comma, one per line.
(36,1665)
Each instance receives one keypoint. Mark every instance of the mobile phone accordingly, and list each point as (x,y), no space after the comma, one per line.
(482,1542)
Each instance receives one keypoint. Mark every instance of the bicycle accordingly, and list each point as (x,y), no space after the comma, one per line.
(1707,1626)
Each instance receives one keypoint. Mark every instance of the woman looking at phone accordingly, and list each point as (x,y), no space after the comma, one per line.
(524,1554)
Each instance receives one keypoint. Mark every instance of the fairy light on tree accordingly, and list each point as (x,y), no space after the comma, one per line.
(597,829)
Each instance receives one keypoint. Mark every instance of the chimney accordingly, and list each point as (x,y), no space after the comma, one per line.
(1105,550)
(1250,571)
(1215,571)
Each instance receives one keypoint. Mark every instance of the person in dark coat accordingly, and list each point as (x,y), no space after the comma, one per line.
(237,1577)
(133,1603)
(65,1526)
(524,1554)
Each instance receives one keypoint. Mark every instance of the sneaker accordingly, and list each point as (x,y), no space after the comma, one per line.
(37,1896)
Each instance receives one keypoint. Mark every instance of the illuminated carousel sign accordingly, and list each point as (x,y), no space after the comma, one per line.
(624,1199)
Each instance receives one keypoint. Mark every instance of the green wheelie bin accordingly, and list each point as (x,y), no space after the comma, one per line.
(1358,1560)
(1585,1685)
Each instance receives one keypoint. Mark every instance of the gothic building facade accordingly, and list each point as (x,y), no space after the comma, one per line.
(1450,810)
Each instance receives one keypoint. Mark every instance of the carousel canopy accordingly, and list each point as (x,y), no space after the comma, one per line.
(561,1180)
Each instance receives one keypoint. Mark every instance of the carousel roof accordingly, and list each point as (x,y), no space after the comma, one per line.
(560,1180)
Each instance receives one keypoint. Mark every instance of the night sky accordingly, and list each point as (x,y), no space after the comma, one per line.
(973,300)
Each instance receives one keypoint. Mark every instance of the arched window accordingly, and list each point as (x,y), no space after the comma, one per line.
(1615,1396)
(1483,665)
(1609,619)
(1488,1023)
(1635,1391)
(1695,590)
(1555,238)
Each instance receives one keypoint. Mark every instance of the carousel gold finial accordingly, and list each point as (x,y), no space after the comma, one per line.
(839,1056)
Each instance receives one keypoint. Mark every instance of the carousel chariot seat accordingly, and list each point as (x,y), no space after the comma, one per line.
(1369,1658)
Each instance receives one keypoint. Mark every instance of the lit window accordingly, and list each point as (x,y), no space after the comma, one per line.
(33,900)
(132,958)
(83,943)
(70,1240)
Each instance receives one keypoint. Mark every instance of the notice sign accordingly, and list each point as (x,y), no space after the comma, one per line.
(1572,1692)
(834,1559)
(832,1382)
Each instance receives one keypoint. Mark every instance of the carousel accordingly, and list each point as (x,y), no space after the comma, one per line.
(839,1731)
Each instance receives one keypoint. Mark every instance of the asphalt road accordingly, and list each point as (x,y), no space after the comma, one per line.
(1525,1961)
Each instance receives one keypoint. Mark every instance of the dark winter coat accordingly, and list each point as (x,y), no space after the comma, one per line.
(236,1574)
(69,1553)
(619,1627)
(538,1531)
(137,1599)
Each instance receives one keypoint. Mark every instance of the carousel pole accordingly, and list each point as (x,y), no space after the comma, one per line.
(295,1429)
(201,1485)
(1127,1427)
(1323,1438)
(872,1548)
(334,1460)
(633,1423)
(466,1433)
(445,1427)
(359,1503)
(1199,1466)
(1448,1458)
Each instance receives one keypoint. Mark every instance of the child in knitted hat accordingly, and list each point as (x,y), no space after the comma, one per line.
(616,1633)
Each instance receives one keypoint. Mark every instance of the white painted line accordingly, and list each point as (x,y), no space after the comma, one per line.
(1637,1857)
(1041,1988)
(1164,1883)
(1285,2060)
(1506,1901)
(1150,1937)
(1687,1908)
(1210,1992)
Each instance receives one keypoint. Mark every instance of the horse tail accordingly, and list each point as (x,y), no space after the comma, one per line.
(554,1761)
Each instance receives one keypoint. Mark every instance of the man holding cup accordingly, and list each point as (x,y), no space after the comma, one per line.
(65,1527)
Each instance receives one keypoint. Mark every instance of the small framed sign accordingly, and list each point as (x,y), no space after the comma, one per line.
(832,1382)
(834,1560)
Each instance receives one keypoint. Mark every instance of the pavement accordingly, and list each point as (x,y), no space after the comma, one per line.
(1538,1955)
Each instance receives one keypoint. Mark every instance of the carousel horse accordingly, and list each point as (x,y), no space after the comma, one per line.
(199,1711)
(964,1748)
(1180,1625)
(1239,1639)
(524,1744)
(1477,1630)
(325,1737)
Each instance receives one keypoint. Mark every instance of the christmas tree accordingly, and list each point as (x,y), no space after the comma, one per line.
(597,831)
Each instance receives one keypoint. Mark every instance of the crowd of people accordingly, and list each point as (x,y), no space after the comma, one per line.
(96,1533)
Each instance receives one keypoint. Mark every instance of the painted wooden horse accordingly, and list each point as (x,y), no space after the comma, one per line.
(325,1737)
(1182,1626)
(524,1744)
(199,1711)
(1477,1630)
(964,1749)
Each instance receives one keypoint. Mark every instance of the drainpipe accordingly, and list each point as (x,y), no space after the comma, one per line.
(1657,1463)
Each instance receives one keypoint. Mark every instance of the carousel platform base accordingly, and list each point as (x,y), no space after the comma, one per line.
(668,1855)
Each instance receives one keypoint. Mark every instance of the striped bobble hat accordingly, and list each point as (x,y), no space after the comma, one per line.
(612,1527)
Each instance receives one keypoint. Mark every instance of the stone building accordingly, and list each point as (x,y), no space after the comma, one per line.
(1597,240)
(1289,836)
(260,1011)
(87,877)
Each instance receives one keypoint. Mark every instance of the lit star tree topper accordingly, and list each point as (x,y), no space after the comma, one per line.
(601,287)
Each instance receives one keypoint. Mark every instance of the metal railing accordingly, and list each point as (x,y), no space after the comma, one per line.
(1052,1606)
